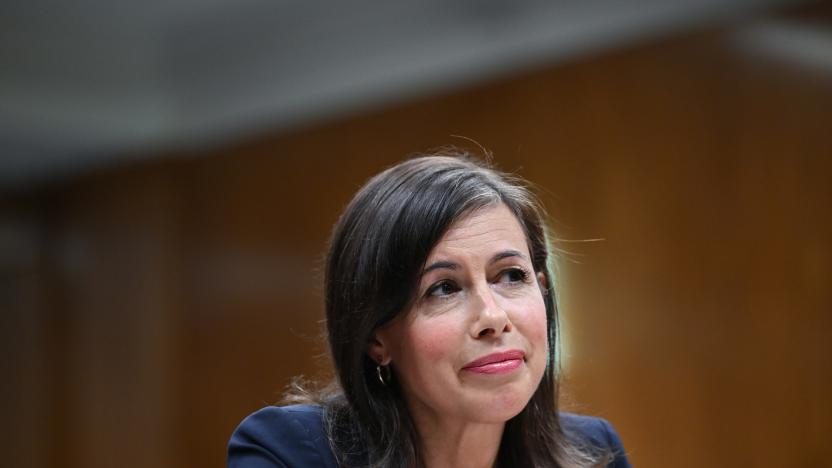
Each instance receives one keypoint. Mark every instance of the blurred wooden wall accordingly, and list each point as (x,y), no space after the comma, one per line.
(148,309)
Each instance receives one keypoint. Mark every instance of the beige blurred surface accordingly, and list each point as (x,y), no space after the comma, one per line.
(151,308)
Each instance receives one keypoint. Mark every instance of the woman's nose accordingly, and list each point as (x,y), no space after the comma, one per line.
(490,317)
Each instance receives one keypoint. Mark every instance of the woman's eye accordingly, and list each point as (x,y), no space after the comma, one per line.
(442,288)
(514,275)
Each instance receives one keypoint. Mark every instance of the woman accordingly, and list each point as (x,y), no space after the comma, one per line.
(442,324)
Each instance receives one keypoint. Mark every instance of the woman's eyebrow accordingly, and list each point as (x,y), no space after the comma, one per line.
(440,265)
(506,254)
(448,265)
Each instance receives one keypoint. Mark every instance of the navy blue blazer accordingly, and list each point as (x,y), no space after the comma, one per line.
(294,437)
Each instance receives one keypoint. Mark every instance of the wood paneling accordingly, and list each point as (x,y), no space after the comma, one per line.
(164,302)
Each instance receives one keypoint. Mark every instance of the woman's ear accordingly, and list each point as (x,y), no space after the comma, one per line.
(377,350)
(541,281)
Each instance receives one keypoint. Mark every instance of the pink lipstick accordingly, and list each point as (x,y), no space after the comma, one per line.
(496,363)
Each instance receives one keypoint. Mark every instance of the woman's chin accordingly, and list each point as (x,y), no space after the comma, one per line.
(500,406)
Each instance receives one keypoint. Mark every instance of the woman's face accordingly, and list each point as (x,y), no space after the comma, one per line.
(473,345)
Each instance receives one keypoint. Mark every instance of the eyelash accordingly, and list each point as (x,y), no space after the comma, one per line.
(523,278)
(524,275)
(438,286)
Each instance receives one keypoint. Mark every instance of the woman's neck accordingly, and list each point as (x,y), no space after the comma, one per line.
(449,443)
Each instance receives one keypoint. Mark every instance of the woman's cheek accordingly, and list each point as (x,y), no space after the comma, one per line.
(434,340)
(537,329)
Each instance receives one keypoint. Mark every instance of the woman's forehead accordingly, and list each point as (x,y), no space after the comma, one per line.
(491,227)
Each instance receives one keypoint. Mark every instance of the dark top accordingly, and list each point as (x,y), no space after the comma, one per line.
(294,437)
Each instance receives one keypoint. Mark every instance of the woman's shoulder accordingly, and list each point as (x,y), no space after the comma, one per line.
(594,432)
(281,436)
(294,436)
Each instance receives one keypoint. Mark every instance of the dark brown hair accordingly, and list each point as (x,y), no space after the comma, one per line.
(377,251)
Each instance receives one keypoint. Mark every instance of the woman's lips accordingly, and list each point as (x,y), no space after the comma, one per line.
(496,363)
